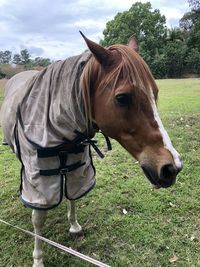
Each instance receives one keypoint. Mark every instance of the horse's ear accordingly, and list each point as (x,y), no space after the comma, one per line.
(103,55)
(132,43)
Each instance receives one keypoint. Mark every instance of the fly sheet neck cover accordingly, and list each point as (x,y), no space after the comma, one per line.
(49,109)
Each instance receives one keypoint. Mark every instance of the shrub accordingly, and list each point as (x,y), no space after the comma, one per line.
(7,70)
(192,61)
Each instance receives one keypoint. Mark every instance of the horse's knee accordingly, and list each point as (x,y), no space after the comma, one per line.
(38,218)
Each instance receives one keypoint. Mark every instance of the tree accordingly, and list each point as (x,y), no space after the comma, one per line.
(175,35)
(195,4)
(175,54)
(159,66)
(22,62)
(5,57)
(192,61)
(190,23)
(146,24)
(25,57)
(17,59)
(42,62)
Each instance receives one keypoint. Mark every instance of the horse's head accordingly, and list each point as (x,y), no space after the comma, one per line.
(123,98)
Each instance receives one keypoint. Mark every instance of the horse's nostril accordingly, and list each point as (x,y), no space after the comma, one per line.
(168,171)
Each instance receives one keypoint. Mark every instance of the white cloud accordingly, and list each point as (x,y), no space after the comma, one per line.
(2,2)
(90,23)
(109,4)
(171,13)
(53,26)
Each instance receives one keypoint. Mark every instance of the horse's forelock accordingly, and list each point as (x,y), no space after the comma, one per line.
(135,71)
(132,69)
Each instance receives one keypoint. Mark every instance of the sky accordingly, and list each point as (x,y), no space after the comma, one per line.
(51,28)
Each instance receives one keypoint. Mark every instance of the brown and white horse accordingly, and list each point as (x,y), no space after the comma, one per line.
(119,95)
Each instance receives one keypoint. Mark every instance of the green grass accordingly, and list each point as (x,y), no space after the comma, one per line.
(2,83)
(159,223)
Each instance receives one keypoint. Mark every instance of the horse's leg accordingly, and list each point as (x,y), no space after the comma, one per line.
(38,219)
(75,227)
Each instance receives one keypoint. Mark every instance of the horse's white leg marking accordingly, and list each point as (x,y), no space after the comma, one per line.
(38,219)
(75,227)
(166,140)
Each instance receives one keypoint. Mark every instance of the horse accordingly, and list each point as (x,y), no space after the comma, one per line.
(49,118)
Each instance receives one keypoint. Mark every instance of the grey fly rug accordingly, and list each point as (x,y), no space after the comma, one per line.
(43,121)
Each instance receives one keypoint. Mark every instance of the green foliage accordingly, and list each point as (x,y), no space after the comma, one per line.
(175,54)
(42,62)
(7,70)
(192,61)
(190,22)
(25,57)
(159,66)
(17,59)
(140,20)
(195,4)
(168,52)
(21,62)
(5,57)
(175,35)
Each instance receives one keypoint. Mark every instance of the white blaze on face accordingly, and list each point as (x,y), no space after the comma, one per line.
(166,140)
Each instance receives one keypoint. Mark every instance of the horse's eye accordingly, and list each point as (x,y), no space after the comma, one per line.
(123,99)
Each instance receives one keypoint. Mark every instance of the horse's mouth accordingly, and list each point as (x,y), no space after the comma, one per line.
(157,182)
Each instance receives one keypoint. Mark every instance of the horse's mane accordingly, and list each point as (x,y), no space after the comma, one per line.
(132,69)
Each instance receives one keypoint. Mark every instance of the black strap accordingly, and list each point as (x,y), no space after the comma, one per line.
(78,144)
(63,171)
(18,153)
(54,151)
(109,145)
(82,138)
(95,147)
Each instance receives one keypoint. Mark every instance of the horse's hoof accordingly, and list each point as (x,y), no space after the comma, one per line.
(38,263)
(76,229)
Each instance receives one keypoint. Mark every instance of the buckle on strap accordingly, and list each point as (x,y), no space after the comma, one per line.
(72,167)
(63,171)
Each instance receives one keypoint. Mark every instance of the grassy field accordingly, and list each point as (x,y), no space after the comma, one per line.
(2,83)
(161,227)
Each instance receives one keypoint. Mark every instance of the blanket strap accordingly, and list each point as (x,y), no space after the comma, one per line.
(18,153)
(65,170)
(46,152)
(82,138)
(74,146)
(62,154)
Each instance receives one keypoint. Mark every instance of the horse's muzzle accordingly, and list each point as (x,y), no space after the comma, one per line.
(165,178)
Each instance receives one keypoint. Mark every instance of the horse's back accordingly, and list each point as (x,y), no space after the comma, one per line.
(15,90)
(18,81)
